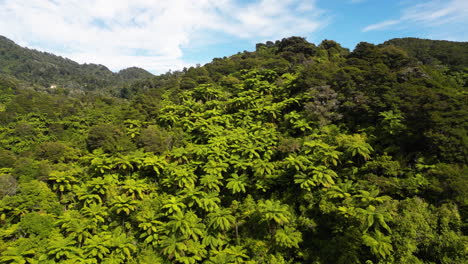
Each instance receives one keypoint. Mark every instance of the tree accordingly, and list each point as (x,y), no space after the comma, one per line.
(186,224)
(209,201)
(97,213)
(231,254)
(237,183)
(173,205)
(355,145)
(221,219)
(9,185)
(152,229)
(63,249)
(97,247)
(274,210)
(18,254)
(392,122)
(123,204)
(173,246)
(109,138)
(75,226)
(211,181)
(288,237)
(291,153)
(135,188)
(122,246)
(63,181)
(379,244)
(319,175)
(374,217)
(55,152)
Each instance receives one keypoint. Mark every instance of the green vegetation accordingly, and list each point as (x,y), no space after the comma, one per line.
(293,153)
(48,72)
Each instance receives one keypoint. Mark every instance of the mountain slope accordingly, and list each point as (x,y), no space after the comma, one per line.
(292,153)
(45,69)
(450,53)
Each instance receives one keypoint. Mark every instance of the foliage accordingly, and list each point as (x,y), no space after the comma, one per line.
(54,73)
(294,153)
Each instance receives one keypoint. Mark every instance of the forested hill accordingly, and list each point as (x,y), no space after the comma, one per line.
(46,70)
(291,153)
(451,54)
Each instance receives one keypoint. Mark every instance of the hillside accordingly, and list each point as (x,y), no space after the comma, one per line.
(449,53)
(292,153)
(48,70)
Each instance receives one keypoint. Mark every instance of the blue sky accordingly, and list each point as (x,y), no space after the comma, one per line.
(169,35)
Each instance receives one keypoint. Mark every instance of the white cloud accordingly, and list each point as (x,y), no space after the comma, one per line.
(429,14)
(147,33)
(438,12)
(381,25)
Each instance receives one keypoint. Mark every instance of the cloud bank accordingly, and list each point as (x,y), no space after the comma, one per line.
(147,33)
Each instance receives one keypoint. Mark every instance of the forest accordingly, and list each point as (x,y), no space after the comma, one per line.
(42,71)
(292,153)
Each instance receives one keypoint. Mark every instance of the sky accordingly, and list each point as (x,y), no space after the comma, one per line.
(163,35)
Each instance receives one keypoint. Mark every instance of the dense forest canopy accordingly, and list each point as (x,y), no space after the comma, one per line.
(292,153)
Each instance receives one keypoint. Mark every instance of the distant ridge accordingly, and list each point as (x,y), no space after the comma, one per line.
(49,70)
(430,51)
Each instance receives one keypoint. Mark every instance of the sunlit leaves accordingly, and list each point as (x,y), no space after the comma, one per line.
(375,217)
(19,255)
(122,163)
(392,122)
(237,183)
(63,180)
(168,116)
(297,162)
(355,145)
(123,204)
(173,205)
(231,255)
(122,246)
(182,251)
(133,127)
(214,240)
(62,248)
(323,152)
(263,168)
(315,176)
(379,244)
(134,188)
(211,181)
(151,227)
(180,175)
(173,246)
(288,237)
(342,190)
(188,224)
(298,122)
(96,213)
(100,162)
(241,167)
(221,219)
(156,163)
(74,225)
(371,197)
(97,247)
(97,189)
(215,168)
(209,201)
(207,92)
(273,210)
